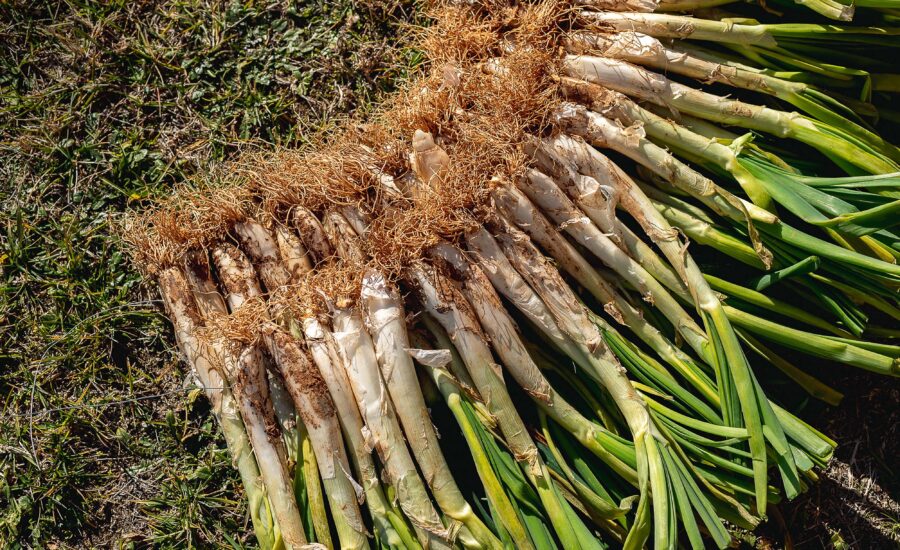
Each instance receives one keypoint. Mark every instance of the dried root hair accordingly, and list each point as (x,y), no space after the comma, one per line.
(332,282)
(188,220)
(490,82)
(240,328)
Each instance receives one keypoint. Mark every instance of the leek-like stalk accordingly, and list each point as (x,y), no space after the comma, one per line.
(386,321)
(742,400)
(451,310)
(317,411)
(390,526)
(434,362)
(501,330)
(649,86)
(645,50)
(598,200)
(673,26)
(260,245)
(321,448)
(654,476)
(372,398)
(552,200)
(183,311)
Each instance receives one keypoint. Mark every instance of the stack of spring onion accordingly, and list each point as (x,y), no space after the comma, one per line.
(540,302)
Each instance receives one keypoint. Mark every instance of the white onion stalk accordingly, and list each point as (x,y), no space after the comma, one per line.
(673,26)
(250,389)
(658,464)
(645,50)
(382,428)
(387,325)
(445,303)
(534,225)
(293,253)
(742,400)
(621,109)
(337,488)
(245,371)
(343,238)
(312,234)
(703,127)
(389,525)
(631,142)
(239,279)
(562,156)
(259,244)
(200,356)
(318,414)
(598,200)
(434,361)
(505,339)
(504,277)
(559,330)
(552,200)
(640,83)
(238,276)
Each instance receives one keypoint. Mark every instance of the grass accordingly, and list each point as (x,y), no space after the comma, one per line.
(105,106)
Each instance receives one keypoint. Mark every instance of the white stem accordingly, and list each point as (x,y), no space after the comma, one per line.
(598,200)
(642,49)
(564,304)
(519,210)
(383,430)
(323,350)
(293,253)
(387,325)
(249,384)
(508,345)
(312,234)
(552,200)
(314,405)
(344,238)
(632,143)
(201,356)
(239,279)
(445,303)
(259,244)
(670,134)
(674,26)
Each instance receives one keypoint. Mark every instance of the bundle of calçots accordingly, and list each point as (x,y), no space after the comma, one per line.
(476,320)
